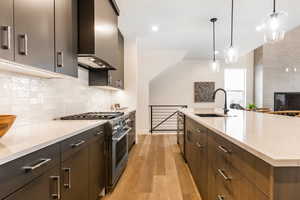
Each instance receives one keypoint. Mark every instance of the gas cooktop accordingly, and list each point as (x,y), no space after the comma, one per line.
(94,116)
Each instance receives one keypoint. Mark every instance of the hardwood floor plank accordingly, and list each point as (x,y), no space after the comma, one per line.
(155,171)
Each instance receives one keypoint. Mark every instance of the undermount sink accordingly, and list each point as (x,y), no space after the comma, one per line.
(210,115)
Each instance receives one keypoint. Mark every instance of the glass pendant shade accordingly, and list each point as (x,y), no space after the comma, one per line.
(274,27)
(231,55)
(215,66)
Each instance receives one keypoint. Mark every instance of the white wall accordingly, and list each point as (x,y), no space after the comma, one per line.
(34,100)
(176,84)
(150,64)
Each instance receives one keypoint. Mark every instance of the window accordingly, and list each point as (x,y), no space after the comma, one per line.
(235,85)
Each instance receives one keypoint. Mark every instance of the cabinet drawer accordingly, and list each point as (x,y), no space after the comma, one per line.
(230,178)
(224,154)
(74,144)
(16,174)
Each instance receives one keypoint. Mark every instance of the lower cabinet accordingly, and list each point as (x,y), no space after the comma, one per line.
(196,155)
(74,176)
(132,133)
(47,186)
(222,170)
(97,175)
(73,169)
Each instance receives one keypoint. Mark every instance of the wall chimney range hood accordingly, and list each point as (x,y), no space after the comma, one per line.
(98,34)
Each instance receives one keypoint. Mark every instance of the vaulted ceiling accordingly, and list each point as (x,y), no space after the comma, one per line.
(184,24)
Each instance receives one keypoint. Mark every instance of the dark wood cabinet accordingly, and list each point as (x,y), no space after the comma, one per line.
(15,174)
(196,155)
(47,186)
(74,169)
(6,30)
(34,33)
(66,37)
(75,173)
(117,76)
(224,171)
(132,133)
(97,163)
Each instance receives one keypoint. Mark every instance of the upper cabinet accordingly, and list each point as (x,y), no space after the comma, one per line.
(6,30)
(66,37)
(34,33)
(40,34)
(118,75)
(98,30)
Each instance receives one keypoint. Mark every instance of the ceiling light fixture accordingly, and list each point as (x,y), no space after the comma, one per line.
(215,65)
(231,53)
(273,25)
(155,28)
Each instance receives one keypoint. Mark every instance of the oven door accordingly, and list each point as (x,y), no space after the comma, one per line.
(119,154)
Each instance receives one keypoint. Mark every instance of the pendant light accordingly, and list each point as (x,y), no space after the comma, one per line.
(215,65)
(273,25)
(231,53)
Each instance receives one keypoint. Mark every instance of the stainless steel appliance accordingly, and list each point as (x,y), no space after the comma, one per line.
(117,130)
(180,132)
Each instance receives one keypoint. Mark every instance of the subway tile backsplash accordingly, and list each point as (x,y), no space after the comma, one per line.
(35,99)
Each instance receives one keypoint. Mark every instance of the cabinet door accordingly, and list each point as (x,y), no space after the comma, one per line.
(75,176)
(106,22)
(118,75)
(34,33)
(44,187)
(66,37)
(97,167)
(6,30)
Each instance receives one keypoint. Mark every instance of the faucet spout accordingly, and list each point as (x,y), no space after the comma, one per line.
(226,110)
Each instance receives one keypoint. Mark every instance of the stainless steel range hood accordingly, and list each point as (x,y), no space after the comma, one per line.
(98,34)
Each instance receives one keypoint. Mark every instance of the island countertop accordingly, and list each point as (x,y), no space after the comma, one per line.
(272,138)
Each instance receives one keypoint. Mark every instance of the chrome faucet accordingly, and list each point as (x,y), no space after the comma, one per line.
(225,93)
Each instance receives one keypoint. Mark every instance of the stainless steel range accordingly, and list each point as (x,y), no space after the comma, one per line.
(116,143)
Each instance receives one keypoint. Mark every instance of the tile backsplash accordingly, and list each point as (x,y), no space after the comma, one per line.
(35,99)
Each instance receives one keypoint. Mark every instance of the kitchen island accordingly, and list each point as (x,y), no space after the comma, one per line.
(244,155)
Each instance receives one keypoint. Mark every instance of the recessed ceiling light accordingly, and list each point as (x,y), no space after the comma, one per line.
(155,28)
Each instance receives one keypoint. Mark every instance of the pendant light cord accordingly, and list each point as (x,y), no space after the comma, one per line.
(214,42)
(274,6)
(231,41)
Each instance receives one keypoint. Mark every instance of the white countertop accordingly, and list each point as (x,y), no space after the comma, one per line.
(24,140)
(272,138)
(20,141)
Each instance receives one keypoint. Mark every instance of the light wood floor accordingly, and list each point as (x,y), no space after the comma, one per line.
(155,171)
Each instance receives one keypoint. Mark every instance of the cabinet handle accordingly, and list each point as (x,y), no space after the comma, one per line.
(68,171)
(78,144)
(223,149)
(5,37)
(38,165)
(222,173)
(23,44)
(56,194)
(99,133)
(199,145)
(220,197)
(60,59)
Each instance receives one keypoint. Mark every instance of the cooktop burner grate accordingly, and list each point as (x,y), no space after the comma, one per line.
(94,116)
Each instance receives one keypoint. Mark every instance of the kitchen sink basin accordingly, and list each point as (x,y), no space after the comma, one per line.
(210,115)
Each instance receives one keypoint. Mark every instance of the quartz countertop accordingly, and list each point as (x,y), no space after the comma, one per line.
(24,140)
(272,138)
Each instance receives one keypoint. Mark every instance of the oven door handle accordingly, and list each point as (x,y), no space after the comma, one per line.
(123,135)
